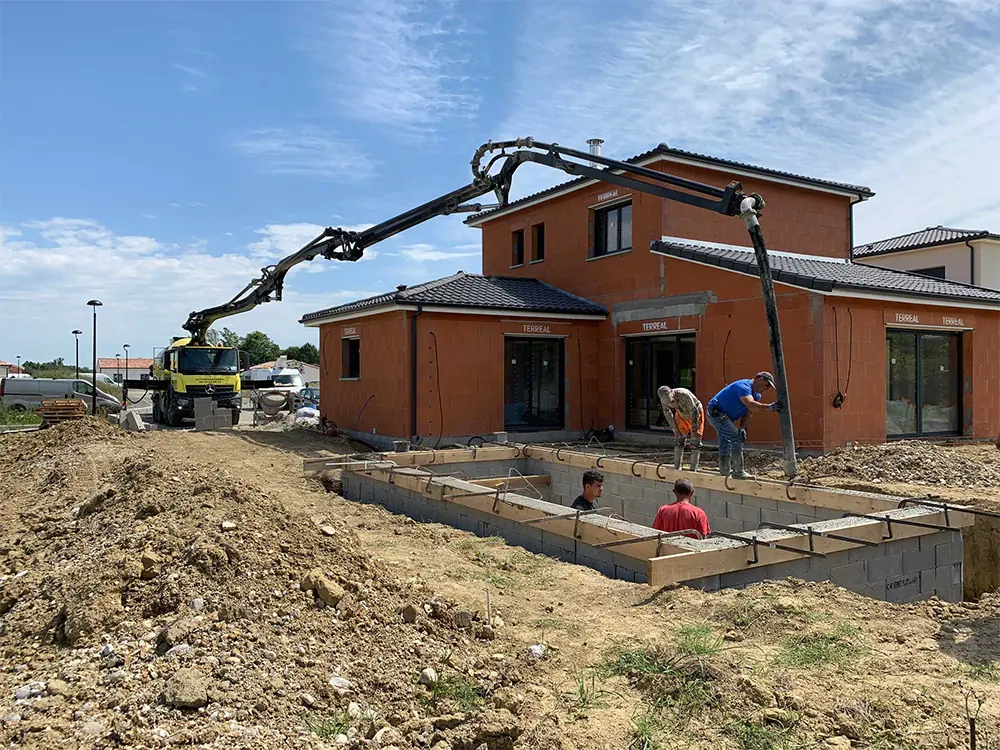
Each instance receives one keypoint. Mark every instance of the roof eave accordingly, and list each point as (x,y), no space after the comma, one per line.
(927,245)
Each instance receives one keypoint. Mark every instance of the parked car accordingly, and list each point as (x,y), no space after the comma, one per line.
(27,395)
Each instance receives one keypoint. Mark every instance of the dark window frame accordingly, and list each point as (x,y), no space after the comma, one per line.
(918,362)
(350,358)
(517,248)
(538,242)
(933,272)
(601,215)
(561,345)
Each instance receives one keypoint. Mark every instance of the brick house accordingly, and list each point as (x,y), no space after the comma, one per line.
(968,256)
(591,297)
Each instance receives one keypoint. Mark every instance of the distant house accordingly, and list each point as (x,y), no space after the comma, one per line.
(309,373)
(7,369)
(968,256)
(114,368)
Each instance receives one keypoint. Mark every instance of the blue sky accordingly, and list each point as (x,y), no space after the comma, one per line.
(156,155)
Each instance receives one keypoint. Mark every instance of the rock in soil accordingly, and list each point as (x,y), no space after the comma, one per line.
(188,688)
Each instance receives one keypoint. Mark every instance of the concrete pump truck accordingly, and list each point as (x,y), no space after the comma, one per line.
(192,368)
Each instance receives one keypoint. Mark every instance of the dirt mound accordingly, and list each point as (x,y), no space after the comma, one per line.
(176,603)
(910,461)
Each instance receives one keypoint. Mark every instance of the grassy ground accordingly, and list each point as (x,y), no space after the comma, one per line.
(9,416)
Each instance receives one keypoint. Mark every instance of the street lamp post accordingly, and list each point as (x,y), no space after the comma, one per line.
(125,347)
(19,364)
(118,366)
(94,303)
(76,335)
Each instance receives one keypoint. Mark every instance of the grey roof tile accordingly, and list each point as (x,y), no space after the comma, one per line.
(665,150)
(929,237)
(823,275)
(475,291)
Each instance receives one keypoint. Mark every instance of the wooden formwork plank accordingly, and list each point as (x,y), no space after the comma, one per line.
(423,458)
(691,565)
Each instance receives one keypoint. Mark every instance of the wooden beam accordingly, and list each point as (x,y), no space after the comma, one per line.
(689,566)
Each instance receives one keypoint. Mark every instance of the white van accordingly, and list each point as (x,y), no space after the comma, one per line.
(284,380)
(27,395)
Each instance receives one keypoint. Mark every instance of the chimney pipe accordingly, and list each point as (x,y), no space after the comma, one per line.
(595,148)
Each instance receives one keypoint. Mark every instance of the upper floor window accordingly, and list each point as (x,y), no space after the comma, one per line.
(613,229)
(517,248)
(537,243)
(937,272)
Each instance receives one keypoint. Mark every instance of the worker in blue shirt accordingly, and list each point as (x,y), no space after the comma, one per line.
(736,403)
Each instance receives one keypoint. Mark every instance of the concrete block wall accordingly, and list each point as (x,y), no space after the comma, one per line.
(901,571)
(363,488)
(728,512)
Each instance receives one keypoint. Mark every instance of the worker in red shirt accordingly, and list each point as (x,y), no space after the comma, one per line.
(680,515)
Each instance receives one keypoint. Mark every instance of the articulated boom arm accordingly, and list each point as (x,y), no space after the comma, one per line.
(341,244)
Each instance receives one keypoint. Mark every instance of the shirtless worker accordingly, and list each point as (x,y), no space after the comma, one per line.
(686,417)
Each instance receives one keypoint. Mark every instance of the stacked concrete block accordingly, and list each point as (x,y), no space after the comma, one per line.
(209,416)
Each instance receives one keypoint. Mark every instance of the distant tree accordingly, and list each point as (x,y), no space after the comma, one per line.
(307,353)
(230,338)
(260,347)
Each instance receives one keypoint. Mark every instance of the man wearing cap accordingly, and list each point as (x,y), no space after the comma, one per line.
(736,403)
(686,417)
(680,515)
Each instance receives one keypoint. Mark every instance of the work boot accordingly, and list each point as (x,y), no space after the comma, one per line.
(678,455)
(738,472)
(695,456)
(724,463)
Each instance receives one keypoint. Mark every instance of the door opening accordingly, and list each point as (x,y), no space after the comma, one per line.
(533,384)
(923,376)
(650,363)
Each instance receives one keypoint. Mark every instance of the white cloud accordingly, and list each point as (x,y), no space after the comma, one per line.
(228,234)
(395,63)
(149,216)
(195,72)
(307,151)
(423,252)
(838,90)
(49,269)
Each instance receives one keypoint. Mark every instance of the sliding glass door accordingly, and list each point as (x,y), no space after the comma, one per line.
(923,383)
(533,384)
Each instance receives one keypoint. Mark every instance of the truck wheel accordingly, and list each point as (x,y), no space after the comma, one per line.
(236,417)
(173,416)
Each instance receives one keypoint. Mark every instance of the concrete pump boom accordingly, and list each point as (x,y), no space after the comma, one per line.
(342,244)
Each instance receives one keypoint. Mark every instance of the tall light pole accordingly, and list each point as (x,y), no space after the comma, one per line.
(118,366)
(76,335)
(125,347)
(94,303)
(19,364)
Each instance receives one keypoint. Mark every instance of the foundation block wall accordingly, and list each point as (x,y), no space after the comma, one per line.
(365,489)
(900,570)
(728,512)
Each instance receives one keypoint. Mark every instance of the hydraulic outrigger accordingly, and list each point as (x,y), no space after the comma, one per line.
(342,244)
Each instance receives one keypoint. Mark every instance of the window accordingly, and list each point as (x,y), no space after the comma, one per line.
(922,383)
(533,384)
(613,230)
(937,272)
(517,248)
(350,359)
(537,243)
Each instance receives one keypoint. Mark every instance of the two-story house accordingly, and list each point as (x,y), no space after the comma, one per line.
(591,297)
(968,256)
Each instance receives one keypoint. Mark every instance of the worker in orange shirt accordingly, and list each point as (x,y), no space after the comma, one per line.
(681,515)
(686,417)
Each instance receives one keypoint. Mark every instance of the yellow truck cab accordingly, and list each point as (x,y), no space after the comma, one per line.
(184,372)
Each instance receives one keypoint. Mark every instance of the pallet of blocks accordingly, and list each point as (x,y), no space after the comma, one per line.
(210,416)
(56,410)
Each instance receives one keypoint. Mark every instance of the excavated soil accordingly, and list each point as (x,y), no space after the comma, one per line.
(183,588)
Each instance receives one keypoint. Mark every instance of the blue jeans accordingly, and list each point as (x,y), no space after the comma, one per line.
(729,433)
